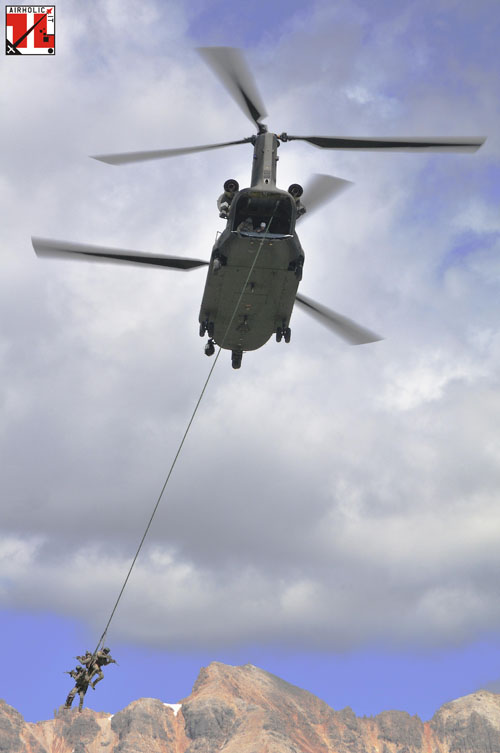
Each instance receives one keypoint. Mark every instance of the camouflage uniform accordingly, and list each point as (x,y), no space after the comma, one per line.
(82,680)
(87,660)
(102,658)
(245,225)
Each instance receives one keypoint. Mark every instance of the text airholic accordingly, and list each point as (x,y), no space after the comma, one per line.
(27,8)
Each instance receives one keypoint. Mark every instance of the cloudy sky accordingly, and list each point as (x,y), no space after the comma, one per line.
(335,514)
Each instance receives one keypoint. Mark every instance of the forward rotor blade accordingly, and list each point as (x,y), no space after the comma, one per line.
(46,247)
(126,157)
(345,328)
(230,67)
(321,189)
(390,144)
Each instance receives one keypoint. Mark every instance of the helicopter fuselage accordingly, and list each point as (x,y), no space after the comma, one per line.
(256,263)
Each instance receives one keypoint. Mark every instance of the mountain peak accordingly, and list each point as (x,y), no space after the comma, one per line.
(248,710)
(482,703)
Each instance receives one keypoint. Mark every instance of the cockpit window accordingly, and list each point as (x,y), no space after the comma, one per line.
(252,211)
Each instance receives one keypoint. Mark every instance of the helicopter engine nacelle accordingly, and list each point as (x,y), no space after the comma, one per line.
(231,185)
(296,190)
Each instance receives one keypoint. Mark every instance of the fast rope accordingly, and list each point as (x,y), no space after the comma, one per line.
(103,636)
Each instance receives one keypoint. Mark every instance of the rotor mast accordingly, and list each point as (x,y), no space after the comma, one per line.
(265,157)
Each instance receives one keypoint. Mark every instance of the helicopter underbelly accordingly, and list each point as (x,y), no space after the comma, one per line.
(246,305)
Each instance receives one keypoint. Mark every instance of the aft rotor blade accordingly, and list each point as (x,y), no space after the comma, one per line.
(66,249)
(345,328)
(321,189)
(125,158)
(392,144)
(230,67)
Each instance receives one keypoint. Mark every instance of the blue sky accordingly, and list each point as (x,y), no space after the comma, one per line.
(370,680)
(334,515)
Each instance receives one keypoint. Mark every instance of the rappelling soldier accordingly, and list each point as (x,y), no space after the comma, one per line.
(102,658)
(94,663)
(87,660)
(82,680)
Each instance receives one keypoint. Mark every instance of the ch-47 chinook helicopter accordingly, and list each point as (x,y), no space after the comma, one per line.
(257,261)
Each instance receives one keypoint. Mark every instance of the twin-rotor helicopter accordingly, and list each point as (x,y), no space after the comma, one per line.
(257,261)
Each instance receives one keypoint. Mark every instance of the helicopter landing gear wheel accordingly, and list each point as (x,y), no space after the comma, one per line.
(236,356)
(203,328)
(283,333)
(210,348)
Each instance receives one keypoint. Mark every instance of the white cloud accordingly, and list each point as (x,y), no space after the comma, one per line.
(325,493)
(427,380)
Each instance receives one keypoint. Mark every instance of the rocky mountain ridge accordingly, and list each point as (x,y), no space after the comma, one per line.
(247,710)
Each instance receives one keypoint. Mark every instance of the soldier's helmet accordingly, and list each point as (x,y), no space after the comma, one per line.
(106,650)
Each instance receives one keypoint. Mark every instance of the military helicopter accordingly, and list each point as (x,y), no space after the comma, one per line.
(257,261)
